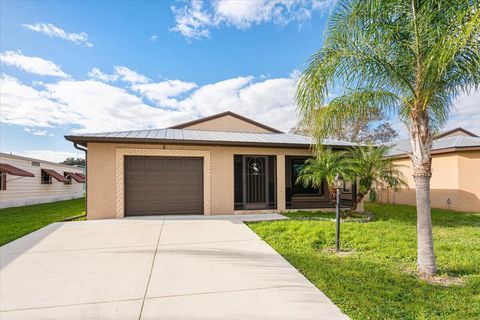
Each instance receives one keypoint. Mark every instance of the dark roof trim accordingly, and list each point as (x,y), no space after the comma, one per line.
(440,151)
(222,114)
(14,171)
(446,133)
(205,143)
(84,140)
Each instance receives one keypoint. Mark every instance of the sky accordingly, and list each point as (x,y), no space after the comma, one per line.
(92,66)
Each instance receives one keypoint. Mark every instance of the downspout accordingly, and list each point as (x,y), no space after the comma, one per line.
(76,146)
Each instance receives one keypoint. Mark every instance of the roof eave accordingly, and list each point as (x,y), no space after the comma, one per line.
(85,140)
(440,151)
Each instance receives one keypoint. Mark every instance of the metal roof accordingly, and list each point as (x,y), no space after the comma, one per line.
(187,136)
(402,147)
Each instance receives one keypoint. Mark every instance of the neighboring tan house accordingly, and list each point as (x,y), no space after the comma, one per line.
(25,181)
(455,182)
(222,164)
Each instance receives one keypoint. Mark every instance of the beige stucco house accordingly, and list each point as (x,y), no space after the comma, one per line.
(222,164)
(26,181)
(455,182)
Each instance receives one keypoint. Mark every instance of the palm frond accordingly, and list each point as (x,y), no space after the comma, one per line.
(423,53)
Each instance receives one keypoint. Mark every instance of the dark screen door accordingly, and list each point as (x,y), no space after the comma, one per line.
(255,182)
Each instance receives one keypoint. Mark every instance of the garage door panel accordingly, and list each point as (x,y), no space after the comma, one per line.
(154,163)
(192,164)
(163,185)
(135,163)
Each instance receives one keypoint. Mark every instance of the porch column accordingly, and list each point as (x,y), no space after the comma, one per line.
(281,200)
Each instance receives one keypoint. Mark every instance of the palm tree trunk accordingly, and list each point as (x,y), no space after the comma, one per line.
(425,253)
(421,142)
(355,201)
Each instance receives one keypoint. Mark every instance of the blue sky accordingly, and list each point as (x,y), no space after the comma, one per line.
(97,66)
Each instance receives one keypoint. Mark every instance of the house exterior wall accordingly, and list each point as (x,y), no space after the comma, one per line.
(455,182)
(102,181)
(227,123)
(22,191)
(469,181)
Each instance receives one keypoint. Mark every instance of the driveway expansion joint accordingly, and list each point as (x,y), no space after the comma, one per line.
(151,270)
(69,305)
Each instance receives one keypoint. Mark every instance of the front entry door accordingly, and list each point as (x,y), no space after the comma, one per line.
(255,182)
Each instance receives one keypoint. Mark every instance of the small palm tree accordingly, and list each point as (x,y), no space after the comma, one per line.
(324,166)
(371,169)
(408,58)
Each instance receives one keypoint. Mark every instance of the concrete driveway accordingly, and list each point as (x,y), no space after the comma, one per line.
(154,268)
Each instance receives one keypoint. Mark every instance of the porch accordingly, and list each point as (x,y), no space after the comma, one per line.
(268,182)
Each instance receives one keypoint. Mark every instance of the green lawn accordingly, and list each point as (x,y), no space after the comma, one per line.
(377,280)
(19,221)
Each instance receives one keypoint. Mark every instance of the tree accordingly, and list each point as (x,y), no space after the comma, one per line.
(74,162)
(324,166)
(371,169)
(371,128)
(406,58)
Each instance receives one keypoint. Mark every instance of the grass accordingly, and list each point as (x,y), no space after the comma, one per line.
(19,221)
(377,280)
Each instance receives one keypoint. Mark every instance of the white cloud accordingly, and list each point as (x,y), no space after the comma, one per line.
(271,101)
(97,74)
(34,65)
(194,19)
(163,93)
(49,155)
(466,113)
(94,106)
(154,38)
(26,106)
(131,76)
(54,31)
(36,132)
(97,106)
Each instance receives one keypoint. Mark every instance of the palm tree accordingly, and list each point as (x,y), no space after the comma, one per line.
(409,58)
(371,169)
(324,166)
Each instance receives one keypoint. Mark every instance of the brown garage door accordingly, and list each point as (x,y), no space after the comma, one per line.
(163,185)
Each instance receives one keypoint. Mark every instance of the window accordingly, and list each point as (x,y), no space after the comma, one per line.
(69,177)
(3,180)
(299,188)
(46,178)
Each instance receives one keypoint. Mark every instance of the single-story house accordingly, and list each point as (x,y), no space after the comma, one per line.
(455,182)
(222,164)
(25,181)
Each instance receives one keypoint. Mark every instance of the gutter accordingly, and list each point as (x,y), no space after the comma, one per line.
(81,148)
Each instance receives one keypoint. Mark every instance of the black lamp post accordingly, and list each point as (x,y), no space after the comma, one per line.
(338,184)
